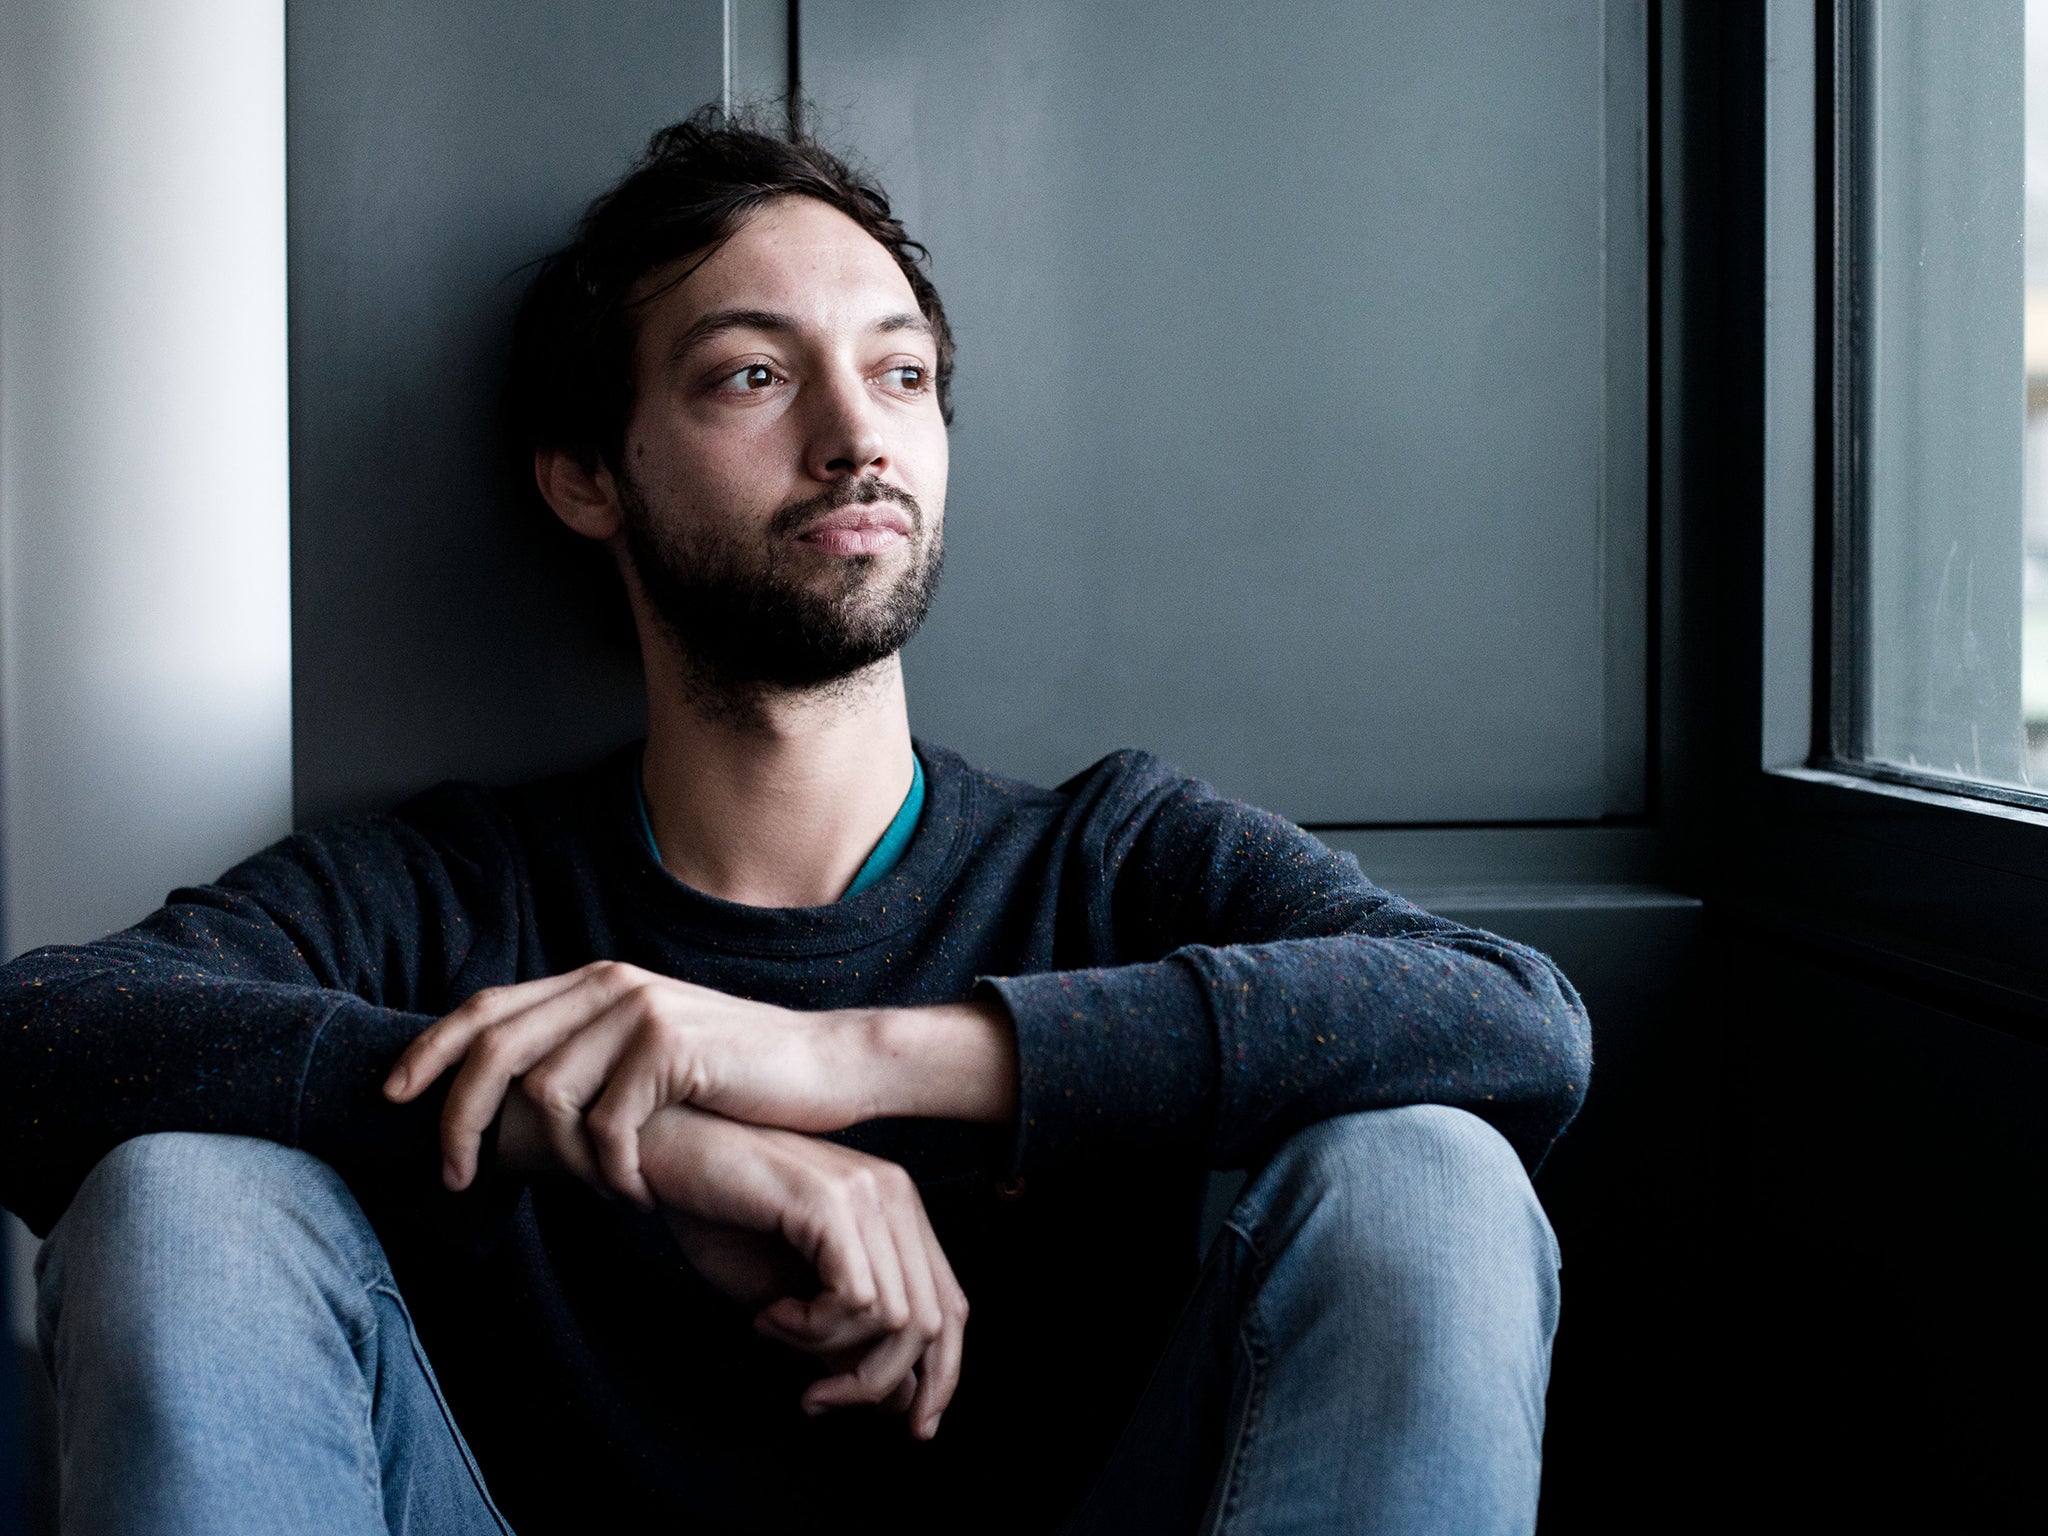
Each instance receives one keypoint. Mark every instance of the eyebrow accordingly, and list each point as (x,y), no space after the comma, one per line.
(720,321)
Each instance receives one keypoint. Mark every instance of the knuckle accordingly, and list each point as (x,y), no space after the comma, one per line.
(493,1048)
(866,1300)
(545,1091)
(658,1026)
(894,1180)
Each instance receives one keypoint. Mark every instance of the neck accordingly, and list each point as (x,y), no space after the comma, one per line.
(778,804)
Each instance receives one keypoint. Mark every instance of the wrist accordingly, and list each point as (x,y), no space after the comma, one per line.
(949,1061)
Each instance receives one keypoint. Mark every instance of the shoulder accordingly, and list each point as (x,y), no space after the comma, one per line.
(1111,786)
(1099,811)
(1135,788)
(1148,814)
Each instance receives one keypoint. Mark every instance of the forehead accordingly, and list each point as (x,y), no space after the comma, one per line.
(795,256)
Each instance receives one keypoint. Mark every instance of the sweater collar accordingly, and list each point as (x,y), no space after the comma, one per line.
(929,857)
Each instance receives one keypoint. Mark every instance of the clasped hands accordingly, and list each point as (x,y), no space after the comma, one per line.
(706,1106)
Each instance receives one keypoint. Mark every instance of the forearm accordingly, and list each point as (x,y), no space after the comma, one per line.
(954,1061)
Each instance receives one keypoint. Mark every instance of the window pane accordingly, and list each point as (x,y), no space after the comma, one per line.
(1943,255)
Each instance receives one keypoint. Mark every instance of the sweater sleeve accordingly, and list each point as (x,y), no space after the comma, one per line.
(1271,985)
(270,1003)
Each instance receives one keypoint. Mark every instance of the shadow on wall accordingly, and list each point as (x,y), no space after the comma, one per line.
(433,155)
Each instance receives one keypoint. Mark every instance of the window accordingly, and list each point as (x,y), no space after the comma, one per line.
(1940,623)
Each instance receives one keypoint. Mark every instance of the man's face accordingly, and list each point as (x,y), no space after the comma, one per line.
(784,483)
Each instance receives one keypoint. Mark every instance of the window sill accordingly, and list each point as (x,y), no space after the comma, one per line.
(1942,890)
(2002,836)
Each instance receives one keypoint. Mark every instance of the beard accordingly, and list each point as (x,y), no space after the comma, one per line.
(750,614)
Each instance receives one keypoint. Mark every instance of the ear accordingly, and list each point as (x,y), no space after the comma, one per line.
(584,498)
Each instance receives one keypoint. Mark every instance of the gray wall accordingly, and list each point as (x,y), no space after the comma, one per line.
(434,150)
(1284,354)
(1301,413)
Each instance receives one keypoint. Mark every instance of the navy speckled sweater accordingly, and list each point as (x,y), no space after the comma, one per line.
(1191,980)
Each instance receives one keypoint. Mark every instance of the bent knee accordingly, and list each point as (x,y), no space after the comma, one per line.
(168,1175)
(1423,1186)
(198,1205)
(1420,1149)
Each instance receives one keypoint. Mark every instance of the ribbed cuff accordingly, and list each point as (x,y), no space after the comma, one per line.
(344,1117)
(1114,1065)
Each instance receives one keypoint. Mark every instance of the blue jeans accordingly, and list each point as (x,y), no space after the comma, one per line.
(1366,1350)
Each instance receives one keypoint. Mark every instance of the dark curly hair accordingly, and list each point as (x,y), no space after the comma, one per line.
(570,383)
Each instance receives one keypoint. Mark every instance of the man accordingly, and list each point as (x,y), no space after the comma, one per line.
(748,1058)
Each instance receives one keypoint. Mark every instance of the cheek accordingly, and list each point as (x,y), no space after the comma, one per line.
(933,450)
(701,474)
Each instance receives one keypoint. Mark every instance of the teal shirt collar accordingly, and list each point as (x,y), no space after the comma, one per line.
(887,853)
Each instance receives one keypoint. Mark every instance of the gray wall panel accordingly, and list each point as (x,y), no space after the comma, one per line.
(1282,393)
(434,149)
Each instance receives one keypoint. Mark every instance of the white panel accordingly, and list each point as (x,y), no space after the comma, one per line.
(145,663)
(144,626)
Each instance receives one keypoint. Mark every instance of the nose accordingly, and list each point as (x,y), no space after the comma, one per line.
(847,439)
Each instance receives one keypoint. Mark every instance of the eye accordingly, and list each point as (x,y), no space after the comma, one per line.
(753,377)
(909,377)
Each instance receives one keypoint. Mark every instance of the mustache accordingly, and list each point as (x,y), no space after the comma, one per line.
(864,492)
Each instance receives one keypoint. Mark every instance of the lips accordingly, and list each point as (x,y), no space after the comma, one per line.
(859,530)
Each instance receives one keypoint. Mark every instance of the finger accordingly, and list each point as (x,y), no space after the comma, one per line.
(938,1373)
(905,1394)
(892,1299)
(825,1229)
(939,1369)
(919,1251)
(873,1381)
(562,1084)
(907,1303)
(568,1140)
(886,1308)
(927,1278)
(506,1050)
(822,1326)
(650,1069)
(442,1043)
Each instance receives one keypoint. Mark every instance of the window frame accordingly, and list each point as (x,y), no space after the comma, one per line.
(1841,632)
(1937,883)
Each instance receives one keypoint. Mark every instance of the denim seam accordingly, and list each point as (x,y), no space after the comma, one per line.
(419,1354)
(1252,1415)
(373,1459)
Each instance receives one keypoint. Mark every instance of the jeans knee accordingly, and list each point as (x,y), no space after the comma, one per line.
(199,1216)
(1419,1198)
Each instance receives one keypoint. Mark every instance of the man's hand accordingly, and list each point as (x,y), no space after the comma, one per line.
(600,1049)
(889,1319)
